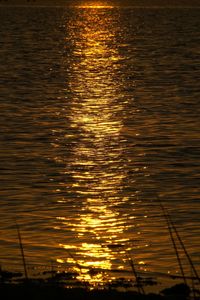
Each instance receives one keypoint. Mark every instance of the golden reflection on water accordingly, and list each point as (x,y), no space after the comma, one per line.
(96,165)
(95,5)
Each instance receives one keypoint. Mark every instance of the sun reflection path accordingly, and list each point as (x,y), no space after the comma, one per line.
(97,164)
(95,5)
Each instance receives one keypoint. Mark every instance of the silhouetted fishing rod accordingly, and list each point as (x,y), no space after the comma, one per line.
(137,278)
(22,250)
(170,227)
(185,250)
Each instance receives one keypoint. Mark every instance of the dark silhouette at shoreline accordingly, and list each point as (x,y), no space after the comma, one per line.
(59,285)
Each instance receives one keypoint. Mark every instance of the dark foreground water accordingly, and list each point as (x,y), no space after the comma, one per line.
(99,115)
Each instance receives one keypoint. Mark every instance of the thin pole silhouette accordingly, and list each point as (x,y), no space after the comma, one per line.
(139,284)
(22,251)
(172,226)
(169,226)
(185,250)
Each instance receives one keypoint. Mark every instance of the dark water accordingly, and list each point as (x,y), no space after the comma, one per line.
(99,115)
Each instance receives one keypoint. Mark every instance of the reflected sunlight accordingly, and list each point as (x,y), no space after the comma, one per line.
(95,4)
(96,164)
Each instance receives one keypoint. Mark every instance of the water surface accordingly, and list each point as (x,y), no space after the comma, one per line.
(99,115)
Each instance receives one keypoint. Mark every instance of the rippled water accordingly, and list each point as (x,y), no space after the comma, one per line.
(99,115)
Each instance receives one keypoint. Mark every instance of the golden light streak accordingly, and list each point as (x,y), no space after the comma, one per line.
(95,5)
(96,166)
